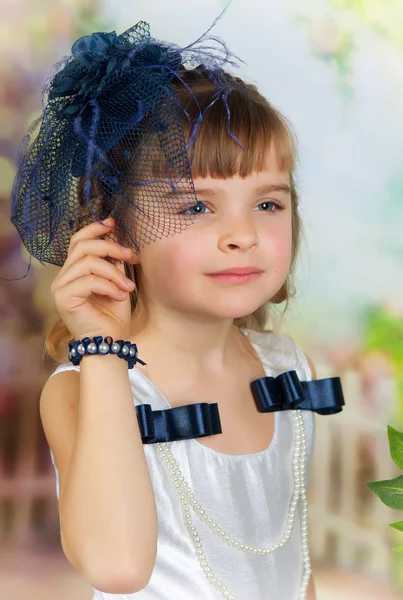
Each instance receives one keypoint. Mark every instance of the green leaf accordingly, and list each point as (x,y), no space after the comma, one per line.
(398,525)
(389,491)
(398,549)
(396,446)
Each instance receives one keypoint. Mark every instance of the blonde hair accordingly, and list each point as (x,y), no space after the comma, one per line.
(258,126)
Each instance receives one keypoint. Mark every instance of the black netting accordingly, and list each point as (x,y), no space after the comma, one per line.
(110,142)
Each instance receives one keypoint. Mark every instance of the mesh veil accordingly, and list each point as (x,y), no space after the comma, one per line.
(110,142)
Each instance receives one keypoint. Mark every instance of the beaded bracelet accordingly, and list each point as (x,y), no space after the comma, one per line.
(100,345)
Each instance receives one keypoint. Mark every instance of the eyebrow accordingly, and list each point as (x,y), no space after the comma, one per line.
(263,189)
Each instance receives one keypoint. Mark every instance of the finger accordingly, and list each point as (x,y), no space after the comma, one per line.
(94,265)
(119,264)
(111,235)
(81,289)
(91,231)
(97,247)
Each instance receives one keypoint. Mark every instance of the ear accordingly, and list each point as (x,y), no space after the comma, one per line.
(312,367)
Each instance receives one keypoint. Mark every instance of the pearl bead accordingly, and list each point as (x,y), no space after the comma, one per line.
(91,348)
(125,350)
(132,352)
(80,349)
(115,348)
(104,348)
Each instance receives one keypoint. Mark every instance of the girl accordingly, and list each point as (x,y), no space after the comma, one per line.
(198,493)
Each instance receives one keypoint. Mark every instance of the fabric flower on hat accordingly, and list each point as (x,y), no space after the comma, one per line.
(107,87)
(95,59)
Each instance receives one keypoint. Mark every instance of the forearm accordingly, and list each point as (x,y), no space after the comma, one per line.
(108,511)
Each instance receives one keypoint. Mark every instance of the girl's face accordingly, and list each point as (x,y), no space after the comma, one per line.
(241,223)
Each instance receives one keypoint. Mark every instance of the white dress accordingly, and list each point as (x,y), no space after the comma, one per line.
(248,496)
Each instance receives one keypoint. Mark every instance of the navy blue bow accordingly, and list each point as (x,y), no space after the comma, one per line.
(285,392)
(180,423)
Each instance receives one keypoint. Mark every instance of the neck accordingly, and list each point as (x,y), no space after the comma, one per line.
(183,342)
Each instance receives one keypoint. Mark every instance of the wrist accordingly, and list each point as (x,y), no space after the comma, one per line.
(99,345)
(116,334)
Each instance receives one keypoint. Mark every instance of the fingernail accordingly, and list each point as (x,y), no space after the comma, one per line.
(126,250)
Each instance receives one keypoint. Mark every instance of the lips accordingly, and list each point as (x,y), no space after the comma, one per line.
(238,271)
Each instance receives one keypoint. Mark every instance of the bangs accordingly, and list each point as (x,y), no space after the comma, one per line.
(254,122)
(250,118)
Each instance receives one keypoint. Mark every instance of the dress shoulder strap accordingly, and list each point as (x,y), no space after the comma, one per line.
(65,367)
(280,353)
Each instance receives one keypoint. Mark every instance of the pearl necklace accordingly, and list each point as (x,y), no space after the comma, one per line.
(188,500)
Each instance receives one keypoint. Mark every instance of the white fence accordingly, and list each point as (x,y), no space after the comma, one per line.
(28,506)
(349,525)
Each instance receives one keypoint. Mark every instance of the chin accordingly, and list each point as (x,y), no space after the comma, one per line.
(231,311)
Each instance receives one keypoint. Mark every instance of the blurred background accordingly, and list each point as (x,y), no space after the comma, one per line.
(335,68)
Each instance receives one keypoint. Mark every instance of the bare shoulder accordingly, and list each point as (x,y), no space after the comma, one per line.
(59,394)
(58,411)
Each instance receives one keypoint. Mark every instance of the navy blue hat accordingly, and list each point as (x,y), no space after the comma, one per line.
(110,142)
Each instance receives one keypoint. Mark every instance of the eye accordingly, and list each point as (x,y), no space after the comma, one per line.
(273,207)
(197,208)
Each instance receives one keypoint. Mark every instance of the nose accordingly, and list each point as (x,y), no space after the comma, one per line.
(237,232)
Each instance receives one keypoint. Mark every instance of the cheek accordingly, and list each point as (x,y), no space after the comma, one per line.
(278,245)
(173,264)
